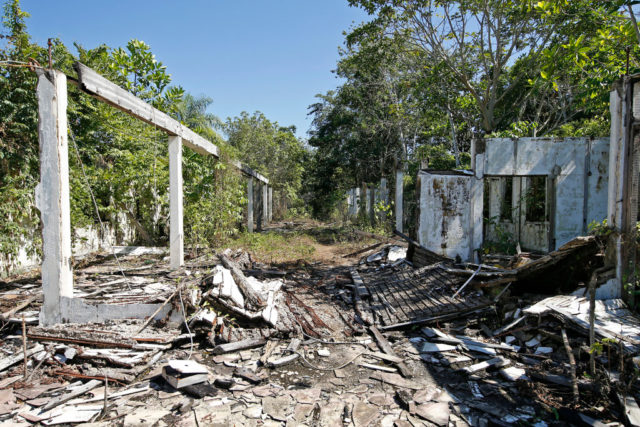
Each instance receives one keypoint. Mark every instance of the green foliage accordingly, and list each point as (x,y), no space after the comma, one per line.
(440,158)
(123,161)
(275,152)
(504,243)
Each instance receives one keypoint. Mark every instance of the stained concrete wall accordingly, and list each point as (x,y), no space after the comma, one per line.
(577,166)
(84,241)
(446,220)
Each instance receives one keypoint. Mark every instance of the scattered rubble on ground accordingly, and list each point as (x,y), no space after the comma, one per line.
(382,341)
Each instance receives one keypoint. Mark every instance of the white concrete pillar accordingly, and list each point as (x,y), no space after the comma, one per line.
(176,232)
(265,204)
(270,204)
(250,205)
(259,205)
(367,200)
(477,209)
(372,205)
(399,200)
(52,194)
(384,193)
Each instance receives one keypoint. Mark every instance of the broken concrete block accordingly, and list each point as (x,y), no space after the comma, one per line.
(323,352)
(513,374)
(182,373)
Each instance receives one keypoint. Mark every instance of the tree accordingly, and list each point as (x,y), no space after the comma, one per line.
(271,149)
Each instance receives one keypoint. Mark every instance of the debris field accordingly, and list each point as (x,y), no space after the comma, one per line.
(394,335)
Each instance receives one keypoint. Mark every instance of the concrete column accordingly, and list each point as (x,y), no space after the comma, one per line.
(176,232)
(52,194)
(270,205)
(372,205)
(477,208)
(250,205)
(384,193)
(265,204)
(259,206)
(367,200)
(399,200)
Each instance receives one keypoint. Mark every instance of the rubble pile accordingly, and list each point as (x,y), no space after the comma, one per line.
(380,342)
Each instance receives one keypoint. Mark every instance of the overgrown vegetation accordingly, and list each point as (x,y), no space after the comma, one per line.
(423,78)
(122,160)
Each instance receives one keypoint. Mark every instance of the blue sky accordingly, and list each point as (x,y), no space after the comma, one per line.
(248,55)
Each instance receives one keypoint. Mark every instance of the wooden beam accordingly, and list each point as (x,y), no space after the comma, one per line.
(99,87)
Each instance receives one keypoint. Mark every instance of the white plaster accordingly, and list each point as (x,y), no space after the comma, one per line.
(53,194)
(176,233)
(445,214)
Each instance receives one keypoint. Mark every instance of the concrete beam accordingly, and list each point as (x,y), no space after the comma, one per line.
(52,193)
(250,205)
(176,208)
(99,87)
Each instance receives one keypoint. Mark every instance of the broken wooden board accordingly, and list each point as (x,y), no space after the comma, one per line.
(403,297)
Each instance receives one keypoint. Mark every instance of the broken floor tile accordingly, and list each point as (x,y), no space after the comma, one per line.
(339,373)
(264,391)
(381,399)
(310,395)
(145,417)
(302,411)
(331,413)
(254,411)
(396,380)
(276,407)
(437,413)
(363,414)
(425,395)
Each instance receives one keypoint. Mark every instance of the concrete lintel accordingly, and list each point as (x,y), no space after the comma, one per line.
(52,193)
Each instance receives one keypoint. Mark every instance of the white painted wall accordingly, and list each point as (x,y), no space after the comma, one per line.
(446,214)
(581,164)
(84,241)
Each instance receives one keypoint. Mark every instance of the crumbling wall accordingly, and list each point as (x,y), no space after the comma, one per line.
(446,218)
(85,240)
(577,174)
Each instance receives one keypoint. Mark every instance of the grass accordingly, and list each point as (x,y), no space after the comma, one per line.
(306,244)
(272,247)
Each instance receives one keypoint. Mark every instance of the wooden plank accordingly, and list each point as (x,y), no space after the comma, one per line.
(99,87)
(7,363)
(386,347)
(239,345)
(75,393)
